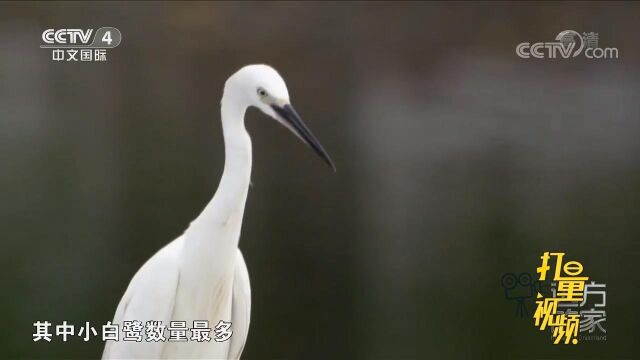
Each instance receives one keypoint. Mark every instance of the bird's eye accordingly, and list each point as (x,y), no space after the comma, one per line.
(262,92)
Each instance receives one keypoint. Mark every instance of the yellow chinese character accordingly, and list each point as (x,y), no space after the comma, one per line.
(542,270)
(567,328)
(544,311)
(570,290)
(571,268)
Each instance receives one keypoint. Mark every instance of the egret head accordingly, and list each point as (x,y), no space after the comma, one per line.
(261,86)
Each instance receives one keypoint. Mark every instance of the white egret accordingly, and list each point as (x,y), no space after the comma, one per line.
(202,275)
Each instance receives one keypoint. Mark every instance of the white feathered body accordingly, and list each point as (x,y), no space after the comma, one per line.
(201,275)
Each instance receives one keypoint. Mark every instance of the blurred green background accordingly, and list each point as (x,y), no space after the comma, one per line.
(457,162)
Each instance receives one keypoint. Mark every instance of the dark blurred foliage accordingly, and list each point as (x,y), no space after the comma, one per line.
(457,162)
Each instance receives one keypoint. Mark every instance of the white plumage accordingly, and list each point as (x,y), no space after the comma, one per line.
(202,275)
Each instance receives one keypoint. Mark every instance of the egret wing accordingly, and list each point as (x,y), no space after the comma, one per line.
(149,297)
(241,308)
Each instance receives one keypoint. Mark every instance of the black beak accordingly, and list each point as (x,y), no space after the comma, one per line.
(292,120)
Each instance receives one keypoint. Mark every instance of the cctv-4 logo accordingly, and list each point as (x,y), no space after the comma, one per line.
(80,44)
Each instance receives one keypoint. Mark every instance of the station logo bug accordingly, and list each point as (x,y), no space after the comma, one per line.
(567,44)
(80,45)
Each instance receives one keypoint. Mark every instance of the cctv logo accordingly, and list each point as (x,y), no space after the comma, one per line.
(81,45)
(568,44)
(103,38)
(67,36)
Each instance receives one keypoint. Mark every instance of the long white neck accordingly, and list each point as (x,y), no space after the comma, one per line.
(237,149)
(209,251)
(214,235)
